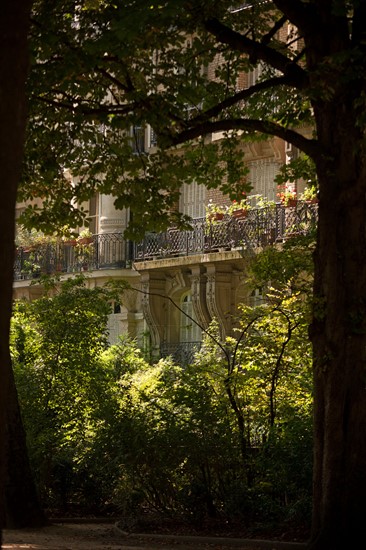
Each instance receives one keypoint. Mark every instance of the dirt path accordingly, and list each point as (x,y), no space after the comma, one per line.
(87,536)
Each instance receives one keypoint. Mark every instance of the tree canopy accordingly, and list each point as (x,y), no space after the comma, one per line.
(101,70)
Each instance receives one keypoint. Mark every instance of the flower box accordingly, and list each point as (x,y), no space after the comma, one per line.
(85,240)
(240,213)
(291,203)
(215,216)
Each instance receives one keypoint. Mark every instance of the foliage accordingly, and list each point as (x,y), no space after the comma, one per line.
(236,205)
(55,342)
(105,427)
(31,238)
(290,268)
(299,168)
(97,80)
(174,443)
(309,194)
(262,202)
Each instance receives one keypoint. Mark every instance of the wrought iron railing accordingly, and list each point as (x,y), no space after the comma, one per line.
(259,227)
(182,353)
(105,251)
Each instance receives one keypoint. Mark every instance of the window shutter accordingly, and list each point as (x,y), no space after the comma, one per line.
(192,200)
(262,177)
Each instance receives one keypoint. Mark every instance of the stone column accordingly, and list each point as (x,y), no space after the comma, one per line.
(111,220)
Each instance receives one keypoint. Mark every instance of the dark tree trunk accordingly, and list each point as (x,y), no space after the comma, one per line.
(14,21)
(336,62)
(22,507)
(338,333)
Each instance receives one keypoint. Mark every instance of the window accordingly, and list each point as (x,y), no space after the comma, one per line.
(189,330)
(152,139)
(255,74)
(94,215)
(193,200)
(137,135)
(115,307)
(262,177)
(256,297)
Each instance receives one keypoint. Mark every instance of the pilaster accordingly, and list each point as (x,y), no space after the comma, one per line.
(198,290)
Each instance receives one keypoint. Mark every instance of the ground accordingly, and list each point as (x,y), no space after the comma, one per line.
(109,536)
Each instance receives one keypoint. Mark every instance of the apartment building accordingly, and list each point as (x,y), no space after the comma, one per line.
(180,280)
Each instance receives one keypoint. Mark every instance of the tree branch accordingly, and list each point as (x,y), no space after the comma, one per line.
(276,27)
(126,88)
(240,96)
(87,111)
(243,44)
(301,14)
(308,146)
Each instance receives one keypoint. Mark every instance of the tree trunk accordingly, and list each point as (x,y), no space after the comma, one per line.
(22,508)
(338,333)
(14,22)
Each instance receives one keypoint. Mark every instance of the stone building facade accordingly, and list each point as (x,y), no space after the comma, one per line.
(182,279)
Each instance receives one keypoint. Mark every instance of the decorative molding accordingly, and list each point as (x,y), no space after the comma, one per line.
(145,303)
(212,302)
(198,306)
(277,148)
(109,225)
(256,149)
(175,281)
(112,221)
(129,300)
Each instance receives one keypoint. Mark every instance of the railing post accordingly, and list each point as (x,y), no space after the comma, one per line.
(280,222)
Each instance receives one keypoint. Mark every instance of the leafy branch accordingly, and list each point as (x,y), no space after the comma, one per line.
(309,146)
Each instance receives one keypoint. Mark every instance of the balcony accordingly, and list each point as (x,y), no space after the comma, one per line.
(260,227)
(107,251)
(182,353)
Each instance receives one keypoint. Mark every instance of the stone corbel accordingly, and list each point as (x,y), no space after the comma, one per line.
(278,149)
(211,299)
(175,282)
(145,303)
(198,297)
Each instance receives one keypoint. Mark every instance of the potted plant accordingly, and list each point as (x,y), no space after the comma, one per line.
(70,241)
(288,198)
(239,209)
(263,202)
(85,237)
(309,195)
(30,240)
(31,267)
(84,248)
(214,212)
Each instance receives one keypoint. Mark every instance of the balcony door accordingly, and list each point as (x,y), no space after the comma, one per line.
(192,200)
(262,177)
(93,217)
